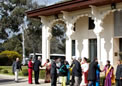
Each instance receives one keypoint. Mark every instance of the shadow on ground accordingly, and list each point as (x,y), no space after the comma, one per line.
(11,81)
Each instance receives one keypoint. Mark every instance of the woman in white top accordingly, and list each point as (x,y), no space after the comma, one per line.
(85,67)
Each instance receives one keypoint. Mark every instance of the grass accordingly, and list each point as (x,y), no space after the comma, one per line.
(8,70)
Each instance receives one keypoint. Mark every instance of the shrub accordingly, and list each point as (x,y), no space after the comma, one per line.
(7,57)
(1,69)
(25,72)
(42,73)
(5,71)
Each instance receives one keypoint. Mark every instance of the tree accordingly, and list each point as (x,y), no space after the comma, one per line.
(33,36)
(58,38)
(12,14)
(13,44)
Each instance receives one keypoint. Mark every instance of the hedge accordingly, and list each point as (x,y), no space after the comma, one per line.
(7,57)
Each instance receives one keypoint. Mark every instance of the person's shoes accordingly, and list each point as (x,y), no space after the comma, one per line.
(37,83)
(30,83)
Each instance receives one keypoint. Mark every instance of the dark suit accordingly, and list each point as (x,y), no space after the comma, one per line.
(36,66)
(53,74)
(92,73)
(118,75)
(76,71)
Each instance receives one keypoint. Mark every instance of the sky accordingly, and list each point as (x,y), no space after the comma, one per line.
(50,2)
(40,2)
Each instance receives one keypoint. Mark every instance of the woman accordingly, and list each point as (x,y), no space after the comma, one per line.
(85,67)
(63,73)
(48,67)
(30,68)
(108,74)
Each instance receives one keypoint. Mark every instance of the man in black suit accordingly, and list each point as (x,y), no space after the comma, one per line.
(119,74)
(76,72)
(92,72)
(37,65)
(54,72)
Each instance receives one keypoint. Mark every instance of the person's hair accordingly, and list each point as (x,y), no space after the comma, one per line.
(85,59)
(95,59)
(48,60)
(108,61)
(30,58)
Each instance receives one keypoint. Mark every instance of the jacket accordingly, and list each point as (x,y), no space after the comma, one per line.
(119,71)
(36,65)
(16,65)
(63,70)
(92,71)
(53,68)
(76,70)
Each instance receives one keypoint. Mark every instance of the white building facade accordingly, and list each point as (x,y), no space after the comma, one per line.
(91,32)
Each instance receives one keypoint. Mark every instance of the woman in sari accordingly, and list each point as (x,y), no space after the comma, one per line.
(85,67)
(30,68)
(108,74)
(48,67)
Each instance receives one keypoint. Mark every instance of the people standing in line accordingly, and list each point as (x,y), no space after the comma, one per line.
(85,67)
(48,68)
(92,72)
(108,74)
(36,68)
(119,74)
(77,72)
(30,70)
(16,67)
(63,73)
(54,72)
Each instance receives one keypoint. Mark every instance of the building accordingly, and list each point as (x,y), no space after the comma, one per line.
(94,28)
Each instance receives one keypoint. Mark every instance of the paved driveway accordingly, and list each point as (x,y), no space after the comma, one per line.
(7,80)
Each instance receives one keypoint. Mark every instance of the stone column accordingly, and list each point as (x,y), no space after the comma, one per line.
(97,16)
(69,32)
(46,36)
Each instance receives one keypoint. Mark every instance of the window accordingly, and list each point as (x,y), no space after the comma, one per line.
(117,23)
(91,24)
(120,48)
(120,44)
(74,27)
(92,49)
(73,47)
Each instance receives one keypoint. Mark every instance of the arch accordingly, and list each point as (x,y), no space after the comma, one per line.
(108,12)
(80,16)
(55,42)
(56,21)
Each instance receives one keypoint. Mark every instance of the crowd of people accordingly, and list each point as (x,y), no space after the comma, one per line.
(79,73)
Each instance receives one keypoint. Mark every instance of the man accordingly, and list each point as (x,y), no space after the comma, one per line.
(118,74)
(16,66)
(53,72)
(77,72)
(92,72)
(36,67)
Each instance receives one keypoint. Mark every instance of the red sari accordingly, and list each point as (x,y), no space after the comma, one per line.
(30,68)
(47,74)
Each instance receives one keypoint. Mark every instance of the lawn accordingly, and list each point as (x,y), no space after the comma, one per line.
(24,72)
